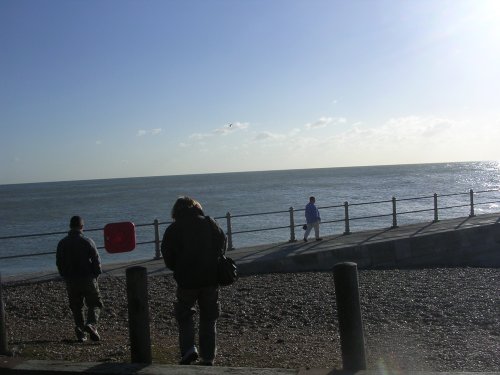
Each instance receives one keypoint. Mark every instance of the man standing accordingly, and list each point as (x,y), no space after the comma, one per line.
(78,263)
(312,219)
(191,246)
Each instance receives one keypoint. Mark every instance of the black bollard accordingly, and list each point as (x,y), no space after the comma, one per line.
(3,331)
(345,276)
(138,315)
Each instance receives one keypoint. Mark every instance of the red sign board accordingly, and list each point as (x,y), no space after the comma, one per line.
(119,237)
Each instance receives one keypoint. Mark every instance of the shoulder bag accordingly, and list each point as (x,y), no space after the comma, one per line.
(227,271)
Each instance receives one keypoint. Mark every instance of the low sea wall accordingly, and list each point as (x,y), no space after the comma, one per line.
(476,246)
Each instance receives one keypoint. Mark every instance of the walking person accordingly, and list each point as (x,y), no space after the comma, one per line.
(190,248)
(312,219)
(79,264)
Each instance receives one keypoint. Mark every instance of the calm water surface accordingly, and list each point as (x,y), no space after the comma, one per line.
(47,207)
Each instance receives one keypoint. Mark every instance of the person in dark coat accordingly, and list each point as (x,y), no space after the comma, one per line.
(191,246)
(79,264)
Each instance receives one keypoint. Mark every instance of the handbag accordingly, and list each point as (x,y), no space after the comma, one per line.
(227,271)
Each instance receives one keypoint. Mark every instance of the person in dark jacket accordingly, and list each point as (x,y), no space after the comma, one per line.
(78,263)
(191,246)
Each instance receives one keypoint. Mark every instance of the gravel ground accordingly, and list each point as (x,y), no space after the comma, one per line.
(431,319)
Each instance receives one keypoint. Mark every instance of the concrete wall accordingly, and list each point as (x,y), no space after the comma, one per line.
(470,247)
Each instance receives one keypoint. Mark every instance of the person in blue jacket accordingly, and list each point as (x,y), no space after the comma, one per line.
(312,219)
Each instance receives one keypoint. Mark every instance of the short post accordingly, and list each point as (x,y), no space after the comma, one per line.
(3,331)
(229,232)
(345,276)
(346,218)
(157,239)
(138,315)
(471,193)
(394,214)
(436,218)
(292,226)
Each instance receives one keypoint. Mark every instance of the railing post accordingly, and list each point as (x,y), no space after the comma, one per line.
(229,232)
(436,218)
(352,343)
(471,193)
(138,314)
(292,226)
(3,331)
(346,218)
(157,240)
(394,214)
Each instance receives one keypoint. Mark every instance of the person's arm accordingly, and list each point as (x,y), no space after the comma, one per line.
(95,260)
(59,259)
(310,214)
(168,248)
(222,238)
(219,238)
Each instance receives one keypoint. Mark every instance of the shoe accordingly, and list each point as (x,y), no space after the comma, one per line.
(305,239)
(92,331)
(319,239)
(81,336)
(189,357)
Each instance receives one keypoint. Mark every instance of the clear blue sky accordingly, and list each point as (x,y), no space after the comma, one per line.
(116,88)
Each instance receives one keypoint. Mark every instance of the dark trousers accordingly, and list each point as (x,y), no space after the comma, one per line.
(80,292)
(184,309)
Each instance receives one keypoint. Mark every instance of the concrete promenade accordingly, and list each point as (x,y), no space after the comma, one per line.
(468,241)
(35,367)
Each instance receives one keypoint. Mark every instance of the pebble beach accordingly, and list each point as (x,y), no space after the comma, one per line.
(443,319)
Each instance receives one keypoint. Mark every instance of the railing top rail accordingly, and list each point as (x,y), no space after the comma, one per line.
(259,213)
(365,203)
(66,232)
(486,191)
(260,230)
(415,211)
(170,222)
(452,194)
(32,235)
(324,207)
(415,198)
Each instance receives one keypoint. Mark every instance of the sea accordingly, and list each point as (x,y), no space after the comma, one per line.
(35,216)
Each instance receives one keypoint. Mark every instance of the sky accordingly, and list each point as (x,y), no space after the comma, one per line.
(94,89)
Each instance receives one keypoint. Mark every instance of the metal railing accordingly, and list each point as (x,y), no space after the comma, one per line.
(393,214)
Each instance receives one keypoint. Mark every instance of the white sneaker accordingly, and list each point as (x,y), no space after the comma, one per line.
(190,356)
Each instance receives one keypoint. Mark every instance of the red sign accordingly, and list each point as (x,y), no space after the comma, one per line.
(119,237)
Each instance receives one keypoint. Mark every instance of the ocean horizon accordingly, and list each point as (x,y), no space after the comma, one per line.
(252,171)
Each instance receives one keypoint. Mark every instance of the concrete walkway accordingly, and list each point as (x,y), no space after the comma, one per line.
(402,247)
(36,367)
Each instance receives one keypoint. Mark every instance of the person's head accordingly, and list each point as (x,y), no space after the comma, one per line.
(182,204)
(312,199)
(76,223)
